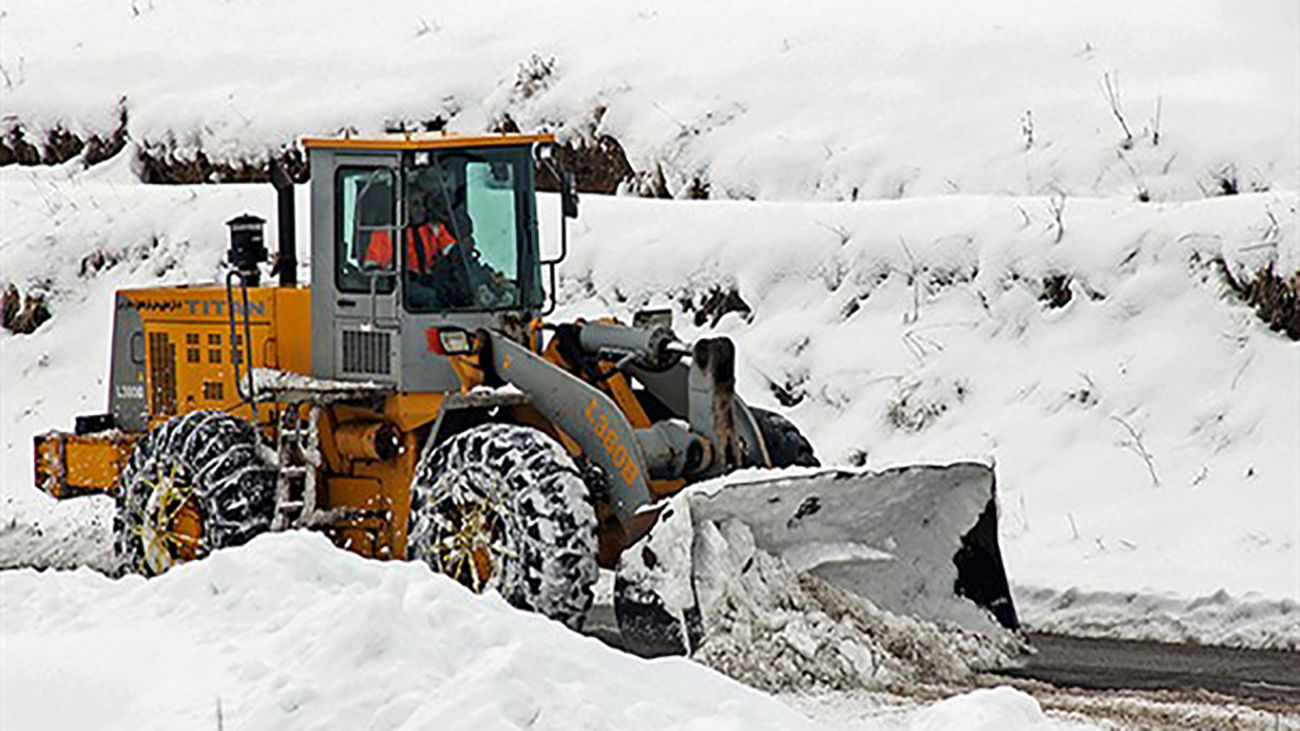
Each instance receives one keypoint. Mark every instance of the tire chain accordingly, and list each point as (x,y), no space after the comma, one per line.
(217,453)
(551,523)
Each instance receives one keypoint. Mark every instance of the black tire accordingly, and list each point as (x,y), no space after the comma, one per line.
(515,500)
(209,459)
(786,445)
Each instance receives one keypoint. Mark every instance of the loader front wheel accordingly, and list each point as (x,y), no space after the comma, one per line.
(194,484)
(503,507)
(786,445)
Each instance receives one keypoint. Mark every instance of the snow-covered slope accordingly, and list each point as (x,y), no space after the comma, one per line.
(1019,305)
(290,632)
(842,100)
(1143,432)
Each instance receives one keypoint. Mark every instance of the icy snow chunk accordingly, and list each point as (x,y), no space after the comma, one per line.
(781,630)
(992,709)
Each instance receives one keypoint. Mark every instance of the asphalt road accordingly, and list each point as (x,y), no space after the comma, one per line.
(1271,675)
(1098,664)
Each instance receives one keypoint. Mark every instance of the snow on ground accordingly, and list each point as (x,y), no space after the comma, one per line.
(910,330)
(1217,619)
(290,632)
(850,99)
(1144,432)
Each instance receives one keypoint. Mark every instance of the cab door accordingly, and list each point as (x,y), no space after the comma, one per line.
(356,241)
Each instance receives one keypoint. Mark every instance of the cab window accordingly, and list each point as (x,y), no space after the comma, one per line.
(365,228)
(470,235)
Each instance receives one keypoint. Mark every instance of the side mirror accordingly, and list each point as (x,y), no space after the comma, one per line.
(568,195)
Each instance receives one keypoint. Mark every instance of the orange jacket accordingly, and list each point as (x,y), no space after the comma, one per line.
(380,249)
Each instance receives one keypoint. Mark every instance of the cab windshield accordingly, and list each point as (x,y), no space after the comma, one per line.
(469,234)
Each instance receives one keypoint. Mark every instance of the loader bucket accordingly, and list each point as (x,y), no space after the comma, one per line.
(919,541)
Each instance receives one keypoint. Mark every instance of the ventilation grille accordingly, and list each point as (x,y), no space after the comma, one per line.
(162,373)
(213,391)
(366,352)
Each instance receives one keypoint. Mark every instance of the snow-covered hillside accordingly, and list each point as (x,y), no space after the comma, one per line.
(1143,431)
(842,100)
(936,230)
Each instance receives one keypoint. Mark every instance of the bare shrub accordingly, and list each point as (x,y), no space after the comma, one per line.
(534,76)
(1276,299)
(22,314)
(1056,205)
(716,303)
(1056,291)
(1226,180)
(1027,129)
(1133,443)
(914,407)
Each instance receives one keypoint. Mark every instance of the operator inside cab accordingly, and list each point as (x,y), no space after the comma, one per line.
(427,237)
(441,266)
(464,241)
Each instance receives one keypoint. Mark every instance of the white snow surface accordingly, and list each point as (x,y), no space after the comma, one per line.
(913,331)
(290,632)
(1144,434)
(845,100)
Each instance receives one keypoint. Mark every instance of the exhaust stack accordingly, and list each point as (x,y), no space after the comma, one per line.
(286,262)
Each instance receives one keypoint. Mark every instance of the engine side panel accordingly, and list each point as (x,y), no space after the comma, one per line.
(183,355)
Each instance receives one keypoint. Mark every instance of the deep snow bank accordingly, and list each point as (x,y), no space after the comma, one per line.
(1143,431)
(1217,619)
(843,101)
(290,632)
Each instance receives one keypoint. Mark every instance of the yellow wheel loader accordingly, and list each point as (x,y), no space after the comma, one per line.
(412,403)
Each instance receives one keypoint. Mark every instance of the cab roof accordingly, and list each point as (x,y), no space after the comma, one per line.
(421,141)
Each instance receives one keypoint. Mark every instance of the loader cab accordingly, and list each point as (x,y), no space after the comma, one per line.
(415,235)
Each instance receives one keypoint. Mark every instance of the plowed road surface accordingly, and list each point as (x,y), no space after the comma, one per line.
(1123,664)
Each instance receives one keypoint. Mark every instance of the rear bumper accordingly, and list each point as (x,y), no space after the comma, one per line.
(71,465)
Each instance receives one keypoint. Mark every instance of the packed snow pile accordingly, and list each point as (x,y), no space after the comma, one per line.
(781,630)
(1217,619)
(808,579)
(1162,100)
(35,532)
(290,632)
(992,709)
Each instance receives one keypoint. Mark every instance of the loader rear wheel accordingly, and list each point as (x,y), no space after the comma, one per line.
(786,445)
(503,507)
(194,484)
